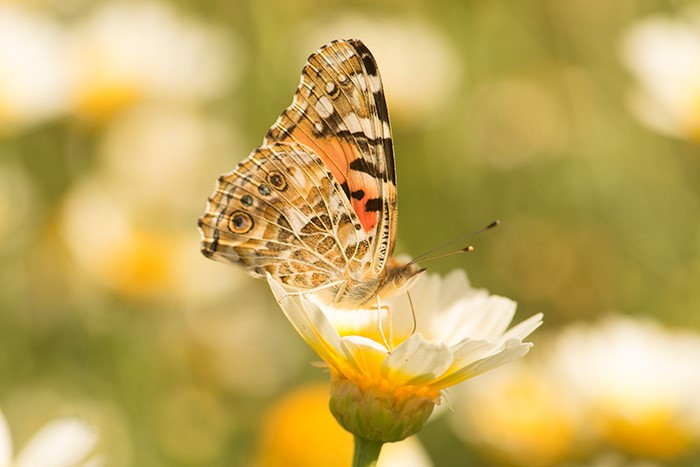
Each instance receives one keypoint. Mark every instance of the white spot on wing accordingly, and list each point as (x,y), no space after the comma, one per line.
(324,107)
(386,130)
(375,83)
(360,82)
(299,178)
(353,122)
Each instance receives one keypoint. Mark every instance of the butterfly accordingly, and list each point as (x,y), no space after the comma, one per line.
(315,206)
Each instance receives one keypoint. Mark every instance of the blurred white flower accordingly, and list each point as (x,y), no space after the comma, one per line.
(129,51)
(606,393)
(34,80)
(134,259)
(519,414)
(161,159)
(64,442)
(461,333)
(419,66)
(129,224)
(640,383)
(664,56)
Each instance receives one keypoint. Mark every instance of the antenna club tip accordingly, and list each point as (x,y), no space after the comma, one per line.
(493,224)
(468,249)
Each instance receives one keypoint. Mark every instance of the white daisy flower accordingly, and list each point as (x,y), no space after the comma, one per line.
(127,52)
(522,414)
(640,382)
(384,394)
(664,56)
(603,393)
(64,442)
(133,241)
(34,80)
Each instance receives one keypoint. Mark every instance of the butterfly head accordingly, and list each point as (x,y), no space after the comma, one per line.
(402,275)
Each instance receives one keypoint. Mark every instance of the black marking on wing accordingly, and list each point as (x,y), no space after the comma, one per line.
(359,194)
(382,111)
(390,164)
(374,204)
(346,188)
(363,165)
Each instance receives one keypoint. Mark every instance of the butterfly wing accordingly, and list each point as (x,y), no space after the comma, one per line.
(280,211)
(339,113)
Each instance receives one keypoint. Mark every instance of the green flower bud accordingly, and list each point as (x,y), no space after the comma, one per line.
(378,415)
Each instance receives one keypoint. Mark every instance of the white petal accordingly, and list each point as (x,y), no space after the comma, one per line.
(61,443)
(309,321)
(5,442)
(470,350)
(512,350)
(416,361)
(480,316)
(524,329)
(366,354)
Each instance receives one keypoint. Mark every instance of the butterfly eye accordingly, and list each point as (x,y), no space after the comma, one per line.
(240,222)
(264,190)
(247,200)
(277,180)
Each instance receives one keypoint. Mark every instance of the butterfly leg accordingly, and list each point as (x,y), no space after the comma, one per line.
(413,313)
(389,344)
(340,293)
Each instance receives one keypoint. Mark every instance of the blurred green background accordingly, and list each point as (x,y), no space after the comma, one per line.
(116,118)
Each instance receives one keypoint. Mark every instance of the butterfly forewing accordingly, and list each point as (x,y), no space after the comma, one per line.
(339,112)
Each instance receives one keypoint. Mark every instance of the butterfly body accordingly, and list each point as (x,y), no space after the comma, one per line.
(315,205)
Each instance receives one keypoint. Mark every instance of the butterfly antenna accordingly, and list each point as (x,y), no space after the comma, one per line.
(467,249)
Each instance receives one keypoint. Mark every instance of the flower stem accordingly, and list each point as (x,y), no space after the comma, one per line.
(366,452)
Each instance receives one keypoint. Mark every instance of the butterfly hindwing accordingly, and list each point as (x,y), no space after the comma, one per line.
(281,212)
(339,113)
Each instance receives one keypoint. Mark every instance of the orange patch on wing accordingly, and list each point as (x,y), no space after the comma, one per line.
(337,156)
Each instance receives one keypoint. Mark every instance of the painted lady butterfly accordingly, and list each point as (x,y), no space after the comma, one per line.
(315,206)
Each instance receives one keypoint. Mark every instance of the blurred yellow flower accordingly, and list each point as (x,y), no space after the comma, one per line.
(299,423)
(65,442)
(126,52)
(34,80)
(385,394)
(663,53)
